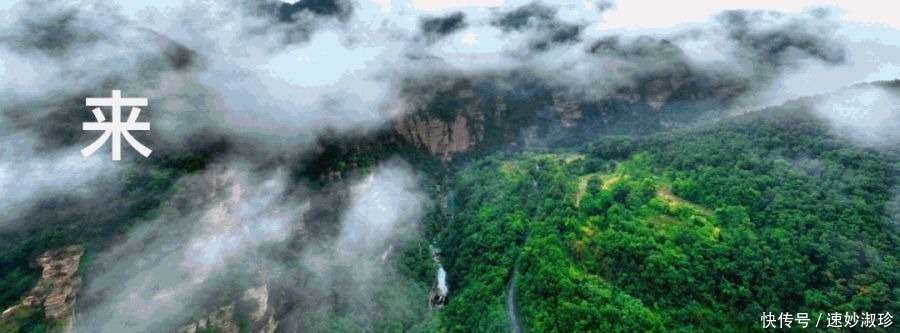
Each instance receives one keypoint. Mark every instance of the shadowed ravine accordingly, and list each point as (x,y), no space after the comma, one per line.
(512,310)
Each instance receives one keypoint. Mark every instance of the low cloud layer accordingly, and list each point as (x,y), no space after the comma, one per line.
(240,70)
(162,273)
(383,210)
(28,174)
(868,115)
(152,281)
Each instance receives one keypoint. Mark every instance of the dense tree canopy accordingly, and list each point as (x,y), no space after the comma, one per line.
(700,230)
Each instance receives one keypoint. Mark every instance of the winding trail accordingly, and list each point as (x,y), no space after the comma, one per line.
(512,311)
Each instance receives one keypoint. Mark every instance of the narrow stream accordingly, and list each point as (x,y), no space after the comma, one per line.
(438,295)
(439,290)
(442,280)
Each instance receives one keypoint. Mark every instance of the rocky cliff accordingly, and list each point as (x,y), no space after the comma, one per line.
(447,117)
(55,291)
(259,318)
(454,115)
(220,321)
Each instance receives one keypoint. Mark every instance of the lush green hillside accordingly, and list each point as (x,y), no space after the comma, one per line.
(699,230)
(696,230)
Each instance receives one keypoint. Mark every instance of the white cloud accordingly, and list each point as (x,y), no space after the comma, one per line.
(868,115)
(650,14)
(152,281)
(443,5)
(28,174)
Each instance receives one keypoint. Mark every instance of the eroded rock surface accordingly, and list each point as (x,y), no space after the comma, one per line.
(56,289)
(224,320)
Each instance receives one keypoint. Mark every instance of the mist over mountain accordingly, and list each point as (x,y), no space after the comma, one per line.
(302,151)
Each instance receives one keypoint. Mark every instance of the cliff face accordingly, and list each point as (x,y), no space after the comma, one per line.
(55,291)
(58,281)
(264,316)
(225,320)
(445,118)
(452,116)
(457,115)
(567,110)
(222,321)
(439,137)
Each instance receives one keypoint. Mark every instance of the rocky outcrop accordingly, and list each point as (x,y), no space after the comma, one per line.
(450,115)
(441,138)
(567,109)
(56,289)
(222,320)
(457,115)
(59,269)
(444,117)
(264,316)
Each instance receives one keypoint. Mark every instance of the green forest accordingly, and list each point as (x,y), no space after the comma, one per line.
(695,230)
(698,230)
(424,166)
